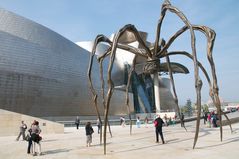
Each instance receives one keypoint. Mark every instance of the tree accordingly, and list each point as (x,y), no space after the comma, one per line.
(188,107)
(205,108)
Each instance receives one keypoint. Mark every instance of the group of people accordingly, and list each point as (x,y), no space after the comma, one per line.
(33,137)
(158,123)
(169,120)
(210,118)
(138,121)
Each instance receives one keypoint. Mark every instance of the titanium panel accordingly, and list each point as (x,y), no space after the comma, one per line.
(44,74)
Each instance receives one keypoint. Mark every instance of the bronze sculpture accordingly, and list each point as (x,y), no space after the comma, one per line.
(152,66)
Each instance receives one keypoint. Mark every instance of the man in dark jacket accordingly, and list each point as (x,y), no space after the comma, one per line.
(158,123)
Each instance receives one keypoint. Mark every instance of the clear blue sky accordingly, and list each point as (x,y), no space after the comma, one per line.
(82,20)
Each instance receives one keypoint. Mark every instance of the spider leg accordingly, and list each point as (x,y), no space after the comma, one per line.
(102,83)
(102,90)
(207,77)
(167,6)
(129,79)
(103,87)
(229,121)
(211,38)
(128,48)
(174,89)
(127,90)
(132,50)
(102,38)
(191,57)
(160,21)
(107,53)
(100,59)
(210,34)
(205,73)
(98,39)
(198,83)
(132,29)
(198,91)
(163,51)
(110,90)
(172,82)
(135,51)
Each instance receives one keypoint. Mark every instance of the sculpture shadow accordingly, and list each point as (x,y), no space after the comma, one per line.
(205,132)
(136,148)
(50,140)
(142,147)
(56,151)
(236,139)
(94,145)
(142,138)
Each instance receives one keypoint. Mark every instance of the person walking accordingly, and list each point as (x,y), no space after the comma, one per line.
(173,121)
(146,121)
(158,123)
(22,130)
(138,122)
(89,131)
(182,120)
(122,121)
(205,118)
(214,120)
(98,123)
(166,119)
(209,120)
(77,122)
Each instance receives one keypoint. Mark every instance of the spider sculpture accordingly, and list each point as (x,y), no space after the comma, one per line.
(153,56)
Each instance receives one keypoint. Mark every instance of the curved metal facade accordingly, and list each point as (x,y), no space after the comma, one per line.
(44,74)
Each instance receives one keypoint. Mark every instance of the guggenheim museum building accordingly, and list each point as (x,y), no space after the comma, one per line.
(43,74)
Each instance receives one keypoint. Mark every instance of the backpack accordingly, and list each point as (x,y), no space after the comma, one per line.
(155,123)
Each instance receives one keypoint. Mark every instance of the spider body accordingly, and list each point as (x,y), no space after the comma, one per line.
(152,66)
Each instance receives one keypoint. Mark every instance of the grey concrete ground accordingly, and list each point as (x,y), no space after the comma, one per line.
(140,145)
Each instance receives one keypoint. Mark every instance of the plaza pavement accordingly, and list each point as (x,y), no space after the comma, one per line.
(140,145)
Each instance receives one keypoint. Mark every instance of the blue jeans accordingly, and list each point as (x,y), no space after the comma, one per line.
(29,145)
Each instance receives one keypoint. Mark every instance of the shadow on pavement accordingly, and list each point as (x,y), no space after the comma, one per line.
(56,151)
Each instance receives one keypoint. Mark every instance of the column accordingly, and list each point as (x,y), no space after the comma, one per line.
(156,92)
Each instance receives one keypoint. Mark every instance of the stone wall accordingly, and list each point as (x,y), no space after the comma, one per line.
(11,121)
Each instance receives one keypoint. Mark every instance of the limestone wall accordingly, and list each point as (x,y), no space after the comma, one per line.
(10,122)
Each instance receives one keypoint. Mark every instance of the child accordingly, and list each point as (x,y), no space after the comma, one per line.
(89,131)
